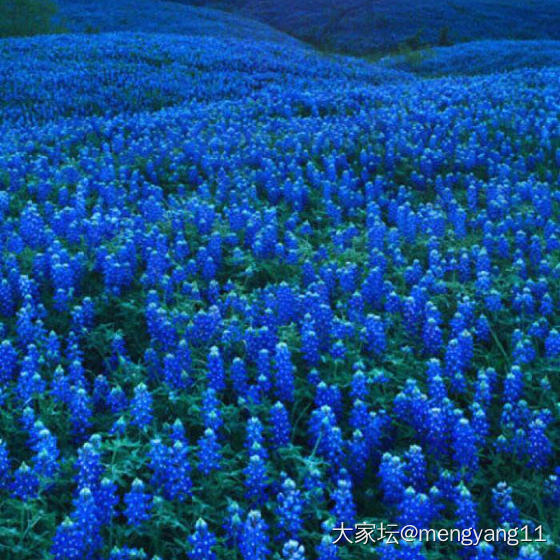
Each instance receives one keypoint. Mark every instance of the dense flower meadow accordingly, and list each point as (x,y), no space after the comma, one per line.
(248,293)
(478,57)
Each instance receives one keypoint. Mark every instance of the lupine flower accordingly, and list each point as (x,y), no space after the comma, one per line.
(279,425)
(233,524)
(503,505)
(289,510)
(552,487)
(437,431)
(513,385)
(416,468)
(292,550)
(329,395)
(344,509)
(540,447)
(284,379)
(325,550)
(138,504)
(238,376)
(465,452)
(313,485)
(411,551)
(177,482)
(25,485)
(106,500)
(528,552)
(415,509)
(216,374)
(359,450)
(465,508)
(177,432)
(66,542)
(326,435)
(117,400)
(255,440)
(256,479)
(202,542)
(310,346)
(8,361)
(485,551)
(253,542)
(4,465)
(264,370)
(359,387)
(89,465)
(374,335)
(141,406)
(127,553)
(392,475)
(209,453)
(552,344)
(432,337)
(211,414)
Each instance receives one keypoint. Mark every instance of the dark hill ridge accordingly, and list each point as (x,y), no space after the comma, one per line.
(366,26)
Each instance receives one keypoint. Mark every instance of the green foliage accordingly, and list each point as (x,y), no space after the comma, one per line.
(20,18)
(413,54)
(414,42)
(444,40)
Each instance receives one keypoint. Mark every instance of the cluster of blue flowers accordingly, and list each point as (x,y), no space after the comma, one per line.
(247,294)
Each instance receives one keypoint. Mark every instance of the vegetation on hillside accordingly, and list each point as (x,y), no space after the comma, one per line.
(19,18)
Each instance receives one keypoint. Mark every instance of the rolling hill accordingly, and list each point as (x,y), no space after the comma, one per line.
(161,16)
(366,26)
(477,57)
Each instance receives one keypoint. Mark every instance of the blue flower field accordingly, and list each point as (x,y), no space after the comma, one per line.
(251,294)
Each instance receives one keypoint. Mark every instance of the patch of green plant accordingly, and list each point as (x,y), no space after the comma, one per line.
(20,18)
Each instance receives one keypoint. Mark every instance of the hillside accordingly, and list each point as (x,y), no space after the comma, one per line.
(52,77)
(160,16)
(366,26)
(477,57)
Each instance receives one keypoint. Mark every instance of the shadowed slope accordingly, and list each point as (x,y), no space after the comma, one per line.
(364,26)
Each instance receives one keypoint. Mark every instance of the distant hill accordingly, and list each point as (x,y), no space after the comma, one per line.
(366,26)
(159,16)
(112,73)
(477,57)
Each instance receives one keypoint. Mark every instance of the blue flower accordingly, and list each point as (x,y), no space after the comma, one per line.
(8,361)
(503,505)
(416,468)
(138,504)
(292,550)
(86,519)
(344,508)
(25,484)
(141,407)
(279,425)
(202,542)
(66,542)
(284,373)
(465,450)
(254,538)
(215,372)
(289,510)
(209,452)
(539,448)
(256,479)
(415,508)
(465,508)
